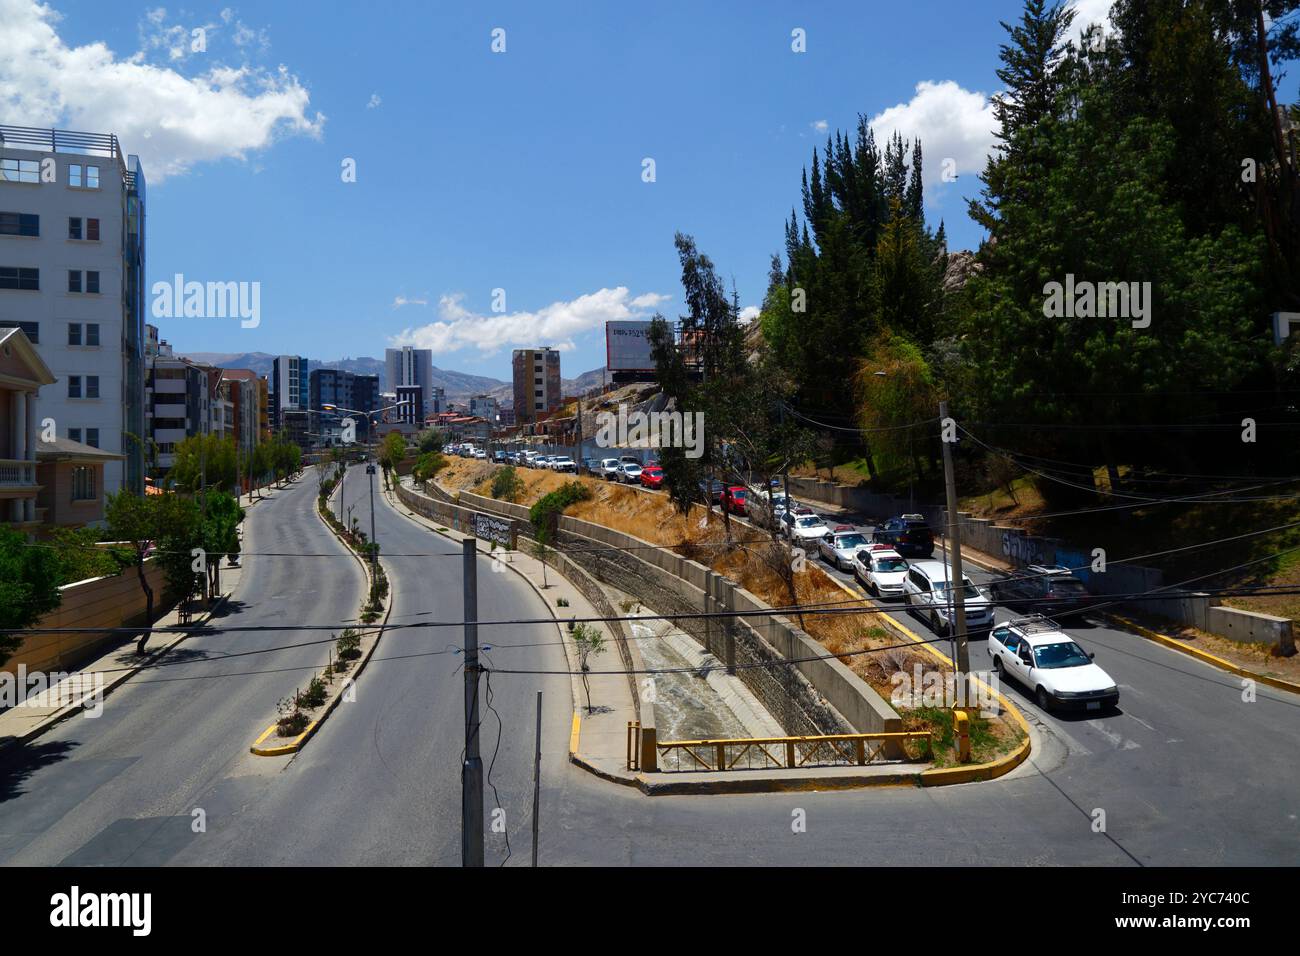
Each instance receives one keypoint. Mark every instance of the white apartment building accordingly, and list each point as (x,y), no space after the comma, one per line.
(72,243)
(411,366)
(290,385)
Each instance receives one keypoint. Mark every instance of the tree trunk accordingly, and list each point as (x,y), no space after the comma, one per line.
(148,605)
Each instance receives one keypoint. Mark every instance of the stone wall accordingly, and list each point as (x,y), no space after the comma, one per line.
(812,695)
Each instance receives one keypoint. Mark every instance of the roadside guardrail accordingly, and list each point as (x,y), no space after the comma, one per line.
(761,753)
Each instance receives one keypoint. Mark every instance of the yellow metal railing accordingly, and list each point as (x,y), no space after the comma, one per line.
(759,753)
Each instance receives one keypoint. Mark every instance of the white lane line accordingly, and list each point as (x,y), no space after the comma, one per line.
(1117,740)
(1142,722)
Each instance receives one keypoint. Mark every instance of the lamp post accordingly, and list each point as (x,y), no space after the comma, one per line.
(370,465)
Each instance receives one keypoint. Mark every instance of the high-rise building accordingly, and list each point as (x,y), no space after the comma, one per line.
(72,249)
(290,388)
(360,393)
(536,383)
(410,366)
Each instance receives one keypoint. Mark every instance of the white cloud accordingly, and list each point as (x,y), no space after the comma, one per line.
(1091,11)
(401,300)
(172,120)
(556,325)
(375,100)
(820,126)
(951,122)
(749,313)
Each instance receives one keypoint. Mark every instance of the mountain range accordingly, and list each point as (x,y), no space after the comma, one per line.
(458,385)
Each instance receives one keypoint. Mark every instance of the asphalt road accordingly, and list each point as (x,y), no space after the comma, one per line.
(121,789)
(1186,772)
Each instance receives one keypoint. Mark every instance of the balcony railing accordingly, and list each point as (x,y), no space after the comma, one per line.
(60,141)
(17,473)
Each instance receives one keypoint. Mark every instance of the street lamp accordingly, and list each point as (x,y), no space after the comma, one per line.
(370,465)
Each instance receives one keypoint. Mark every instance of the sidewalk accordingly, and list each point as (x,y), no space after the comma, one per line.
(85,689)
(599,739)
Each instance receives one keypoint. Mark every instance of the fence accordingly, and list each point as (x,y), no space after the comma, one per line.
(764,753)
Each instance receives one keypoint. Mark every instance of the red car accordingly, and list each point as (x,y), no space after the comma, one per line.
(734,500)
(652,476)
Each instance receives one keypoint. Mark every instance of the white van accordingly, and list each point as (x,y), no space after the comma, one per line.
(925,590)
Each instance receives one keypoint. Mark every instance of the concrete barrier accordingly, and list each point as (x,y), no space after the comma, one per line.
(1253,627)
(116,601)
(814,695)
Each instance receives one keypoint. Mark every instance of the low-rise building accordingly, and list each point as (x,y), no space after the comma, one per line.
(71,476)
(22,374)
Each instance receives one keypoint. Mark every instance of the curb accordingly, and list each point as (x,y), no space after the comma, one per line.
(122,677)
(298,742)
(575,698)
(59,716)
(1203,656)
(947,776)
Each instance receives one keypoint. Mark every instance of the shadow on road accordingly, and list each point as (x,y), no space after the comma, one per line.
(23,761)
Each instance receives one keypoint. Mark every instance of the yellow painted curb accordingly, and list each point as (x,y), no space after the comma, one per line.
(945,776)
(1204,656)
(291,747)
(573,734)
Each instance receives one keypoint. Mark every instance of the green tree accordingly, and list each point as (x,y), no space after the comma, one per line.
(29,587)
(507,485)
(200,457)
(167,523)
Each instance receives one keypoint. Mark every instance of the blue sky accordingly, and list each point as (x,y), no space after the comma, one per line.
(475,170)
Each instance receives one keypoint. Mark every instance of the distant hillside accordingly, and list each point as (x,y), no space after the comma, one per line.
(459,385)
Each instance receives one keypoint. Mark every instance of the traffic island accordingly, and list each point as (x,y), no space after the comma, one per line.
(300,716)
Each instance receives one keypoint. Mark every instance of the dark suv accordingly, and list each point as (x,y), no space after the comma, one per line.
(1049,588)
(909,535)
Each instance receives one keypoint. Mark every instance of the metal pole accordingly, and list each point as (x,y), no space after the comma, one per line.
(537,777)
(471,774)
(958,620)
(374,549)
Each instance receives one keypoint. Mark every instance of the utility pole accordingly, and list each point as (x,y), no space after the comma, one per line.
(958,619)
(537,777)
(374,544)
(471,773)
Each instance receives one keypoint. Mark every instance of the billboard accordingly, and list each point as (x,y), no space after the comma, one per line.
(627,347)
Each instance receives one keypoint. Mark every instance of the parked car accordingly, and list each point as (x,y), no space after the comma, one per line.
(591,466)
(564,463)
(629,472)
(499,457)
(480,454)
(841,545)
(735,500)
(629,460)
(609,469)
(925,589)
(803,526)
(711,490)
(881,570)
(652,476)
(1048,588)
(909,535)
(1051,665)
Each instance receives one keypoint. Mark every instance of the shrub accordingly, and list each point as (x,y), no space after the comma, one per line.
(314,695)
(507,484)
(348,645)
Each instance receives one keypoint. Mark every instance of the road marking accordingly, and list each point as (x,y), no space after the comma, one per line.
(1143,722)
(1117,740)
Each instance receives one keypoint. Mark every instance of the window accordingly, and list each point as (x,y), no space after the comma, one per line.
(92,334)
(92,386)
(92,230)
(92,437)
(92,177)
(83,176)
(17,277)
(74,434)
(74,280)
(74,333)
(20,170)
(33,329)
(19,224)
(74,386)
(92,282)
(83,483)
(74,227)
(74,174)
